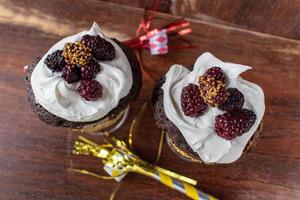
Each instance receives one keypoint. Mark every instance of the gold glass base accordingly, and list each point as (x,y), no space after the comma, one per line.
(179,152)
(110,124)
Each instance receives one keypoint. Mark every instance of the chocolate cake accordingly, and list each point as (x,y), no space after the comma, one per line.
(54,120)
(176,140)
(229,105)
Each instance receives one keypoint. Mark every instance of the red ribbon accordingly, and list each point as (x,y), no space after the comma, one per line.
(176,29)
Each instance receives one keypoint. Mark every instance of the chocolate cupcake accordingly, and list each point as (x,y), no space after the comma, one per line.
(83,79)
(210,114)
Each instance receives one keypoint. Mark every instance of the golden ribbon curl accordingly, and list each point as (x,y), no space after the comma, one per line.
(118,159)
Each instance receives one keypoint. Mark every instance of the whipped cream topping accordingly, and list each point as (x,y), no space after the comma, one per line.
(199,132)
(62,99)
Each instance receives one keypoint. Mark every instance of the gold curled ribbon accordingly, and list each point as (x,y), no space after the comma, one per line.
(86,172)
(119,159)
(122,155)
(160,146)
(113,194)
(117,156)
(134,125)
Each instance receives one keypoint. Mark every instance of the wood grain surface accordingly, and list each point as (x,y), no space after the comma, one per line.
(162,5)
(35,156)
(278,17)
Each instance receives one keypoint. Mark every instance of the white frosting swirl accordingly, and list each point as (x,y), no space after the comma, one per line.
(62,99)
(199,132)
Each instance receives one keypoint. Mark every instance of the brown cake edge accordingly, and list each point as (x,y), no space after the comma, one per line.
(54,120)
(177,141)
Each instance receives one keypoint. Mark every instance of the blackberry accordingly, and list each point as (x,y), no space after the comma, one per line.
(71,73)
(89,70)
(90,90)
(235,123)
(192,104)
(55,61)
(217,73)
(234,101)
(212,86)
(101,49)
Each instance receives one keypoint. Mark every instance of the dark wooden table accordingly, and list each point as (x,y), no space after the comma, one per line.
(34,156)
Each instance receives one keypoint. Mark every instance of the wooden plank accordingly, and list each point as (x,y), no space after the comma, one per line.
(273,16)
(35,156)
(162,5)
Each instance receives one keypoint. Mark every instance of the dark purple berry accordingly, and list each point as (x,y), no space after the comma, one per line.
(55,61)
(235,123)
(217,73)
(191,102)
(90,90)
(101,49)
(234,101)
(89,70)
(71,73)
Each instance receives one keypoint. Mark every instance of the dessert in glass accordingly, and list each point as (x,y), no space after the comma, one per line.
(84,82)
(211,115)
